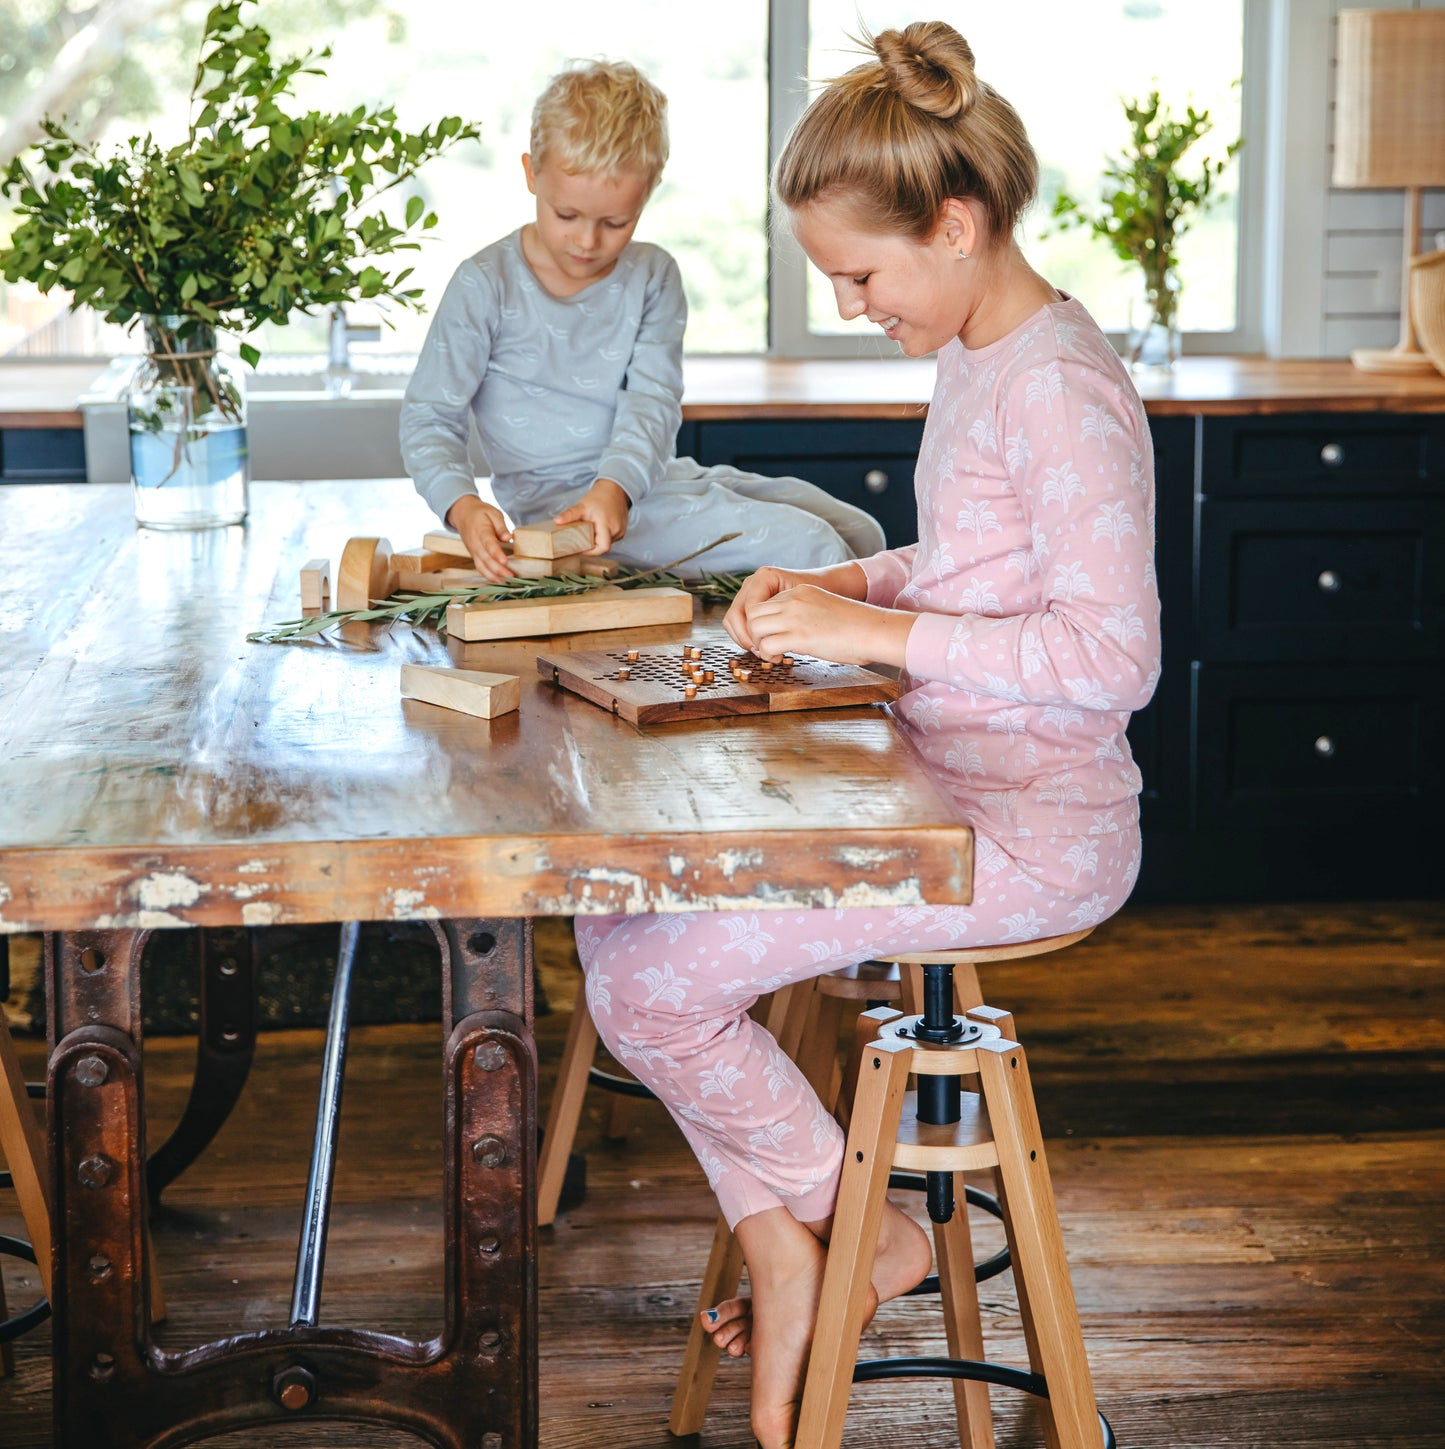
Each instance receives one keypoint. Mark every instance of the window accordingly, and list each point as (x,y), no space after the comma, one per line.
(1068,94)
(117,67)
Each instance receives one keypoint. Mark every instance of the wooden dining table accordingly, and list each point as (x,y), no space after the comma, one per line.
(158,771)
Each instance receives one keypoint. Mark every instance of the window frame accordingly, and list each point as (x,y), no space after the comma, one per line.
(788,332)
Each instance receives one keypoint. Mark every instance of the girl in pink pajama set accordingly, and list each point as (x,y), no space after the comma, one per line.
(1025,622)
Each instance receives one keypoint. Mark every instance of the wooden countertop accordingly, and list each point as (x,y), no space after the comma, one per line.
(43,395)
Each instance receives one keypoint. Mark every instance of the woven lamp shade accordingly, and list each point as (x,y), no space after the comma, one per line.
(1390,98)
(1390,132)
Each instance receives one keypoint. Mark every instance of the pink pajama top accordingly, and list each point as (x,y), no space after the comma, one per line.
(1034,583)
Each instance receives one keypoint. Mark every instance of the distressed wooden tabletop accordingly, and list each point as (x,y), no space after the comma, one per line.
(157,770)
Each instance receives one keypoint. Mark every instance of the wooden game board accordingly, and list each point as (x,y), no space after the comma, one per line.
(655,691)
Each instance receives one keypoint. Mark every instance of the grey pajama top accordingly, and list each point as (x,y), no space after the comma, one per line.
(564,390)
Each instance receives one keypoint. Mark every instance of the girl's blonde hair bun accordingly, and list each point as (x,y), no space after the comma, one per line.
(930,66)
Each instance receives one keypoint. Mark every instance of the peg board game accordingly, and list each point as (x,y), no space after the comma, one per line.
(679,682)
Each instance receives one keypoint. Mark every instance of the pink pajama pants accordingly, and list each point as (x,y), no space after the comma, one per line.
(670,996)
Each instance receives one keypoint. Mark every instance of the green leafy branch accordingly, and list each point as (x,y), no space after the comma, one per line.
(431,608)
(258,213)
(1151,203)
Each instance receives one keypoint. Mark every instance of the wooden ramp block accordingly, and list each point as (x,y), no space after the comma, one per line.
(316,584)
(423,561)
(603,608)
(551,540)
(441,540)
(365,573)
(545,568)
(600,568)
(471,691)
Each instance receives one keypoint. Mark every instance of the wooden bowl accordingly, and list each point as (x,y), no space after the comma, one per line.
(1427,304)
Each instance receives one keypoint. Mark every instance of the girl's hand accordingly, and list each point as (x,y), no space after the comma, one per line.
(604,505)
(482,528)
(845,580)
(804,619)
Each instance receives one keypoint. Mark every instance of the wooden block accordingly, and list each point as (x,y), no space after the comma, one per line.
(424,561)
(471,691)
(551,540)
(437,580)
(601,568)
(545,568)
(604,608)
(316,584)
(441,540)
(365,573)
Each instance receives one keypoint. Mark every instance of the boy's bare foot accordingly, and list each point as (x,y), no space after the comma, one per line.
(903,1260)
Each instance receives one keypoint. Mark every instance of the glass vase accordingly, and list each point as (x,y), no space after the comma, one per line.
(1154,342)
(186,406)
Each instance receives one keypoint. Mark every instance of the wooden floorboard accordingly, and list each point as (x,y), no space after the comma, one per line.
(1247,1135)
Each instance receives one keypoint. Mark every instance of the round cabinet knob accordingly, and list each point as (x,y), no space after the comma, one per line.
(1329,582)
(875,480)
(1332,455)
(1324,747)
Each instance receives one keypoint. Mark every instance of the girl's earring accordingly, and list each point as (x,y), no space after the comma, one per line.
(963,256)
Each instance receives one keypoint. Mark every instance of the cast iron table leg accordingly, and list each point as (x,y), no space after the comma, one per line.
(474,1387)
(225,1047)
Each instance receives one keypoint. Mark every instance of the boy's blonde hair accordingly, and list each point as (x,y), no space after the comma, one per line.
(601,117)
(897,137)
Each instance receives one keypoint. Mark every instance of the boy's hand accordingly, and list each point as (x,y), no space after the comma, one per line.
(482,528)
(604,505)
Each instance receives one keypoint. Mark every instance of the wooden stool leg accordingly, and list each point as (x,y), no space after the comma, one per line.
(22,1145)
(700,1362)
(566,1108)
(953,1244)
(865,1031)
(1046,1296)
(867,1160)
(619,1117)
(791,1008)
(818,1051)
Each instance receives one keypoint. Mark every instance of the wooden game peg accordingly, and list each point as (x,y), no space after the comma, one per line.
(708,676)
(623,672)
(632,656)
(694,653)
(316,584)
(365,573)
(690,691)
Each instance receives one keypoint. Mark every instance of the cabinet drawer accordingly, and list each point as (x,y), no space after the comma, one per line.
(869,465)
(1322,453)
(1316,746)
(1328,579)
(42,455)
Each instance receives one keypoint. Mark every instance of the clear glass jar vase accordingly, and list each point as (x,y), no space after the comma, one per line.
(186,406)
(1154,343)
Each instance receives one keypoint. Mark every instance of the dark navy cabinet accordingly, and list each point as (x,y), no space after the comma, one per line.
(1294,745)
(42,455)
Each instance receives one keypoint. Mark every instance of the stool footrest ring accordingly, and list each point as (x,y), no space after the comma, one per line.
(37,1313)
(623,1086)
(869,1370)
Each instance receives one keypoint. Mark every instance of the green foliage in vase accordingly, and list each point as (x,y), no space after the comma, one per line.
(1148,203)
(260,212)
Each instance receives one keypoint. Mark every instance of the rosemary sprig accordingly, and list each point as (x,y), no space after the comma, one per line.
(421,609)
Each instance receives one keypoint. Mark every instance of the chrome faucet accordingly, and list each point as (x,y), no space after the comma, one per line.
(339,374)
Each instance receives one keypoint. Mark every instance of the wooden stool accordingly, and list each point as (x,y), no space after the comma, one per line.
(944,1132)
(22,1147)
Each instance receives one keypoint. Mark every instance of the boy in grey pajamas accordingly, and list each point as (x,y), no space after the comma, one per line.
(564,342)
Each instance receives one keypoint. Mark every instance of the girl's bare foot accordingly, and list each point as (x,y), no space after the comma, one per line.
(903,1260)
(785,1265)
